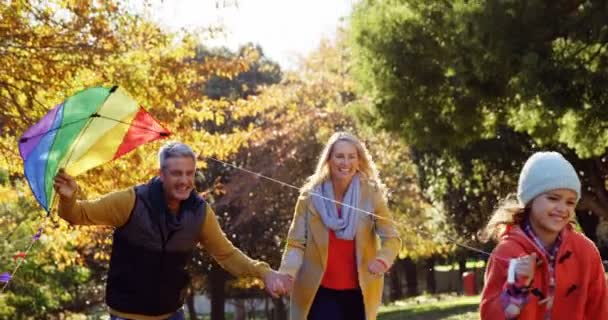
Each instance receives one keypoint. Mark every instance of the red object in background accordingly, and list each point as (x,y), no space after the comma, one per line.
(18,255)
(468,284)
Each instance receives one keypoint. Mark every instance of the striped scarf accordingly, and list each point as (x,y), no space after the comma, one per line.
(551,255)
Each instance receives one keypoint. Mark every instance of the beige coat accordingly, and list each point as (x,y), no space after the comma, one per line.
(305,256)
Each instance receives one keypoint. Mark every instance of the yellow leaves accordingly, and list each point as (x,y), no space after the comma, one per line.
(101,256)
(51,56)
(225,68)
(80,7)
(8,194)
(247,283)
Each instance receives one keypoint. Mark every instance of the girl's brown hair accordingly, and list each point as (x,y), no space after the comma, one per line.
(509,213)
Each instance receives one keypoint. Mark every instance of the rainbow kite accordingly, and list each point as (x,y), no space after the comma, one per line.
(88,129)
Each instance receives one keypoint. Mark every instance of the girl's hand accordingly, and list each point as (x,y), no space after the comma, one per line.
(523,269)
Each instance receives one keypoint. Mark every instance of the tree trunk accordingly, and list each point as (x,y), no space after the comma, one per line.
(240,312)
(396,291)
(190,304)
(590,202)
(431,286)
(594,196)
(411,277)
(267,309)
(462,268)
(217,285)
(462,265)
(280,310)
(588,222)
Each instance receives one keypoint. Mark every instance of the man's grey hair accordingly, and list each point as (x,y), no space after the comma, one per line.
(174,149)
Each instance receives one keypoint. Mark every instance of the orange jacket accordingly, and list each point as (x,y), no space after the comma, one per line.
(580,291)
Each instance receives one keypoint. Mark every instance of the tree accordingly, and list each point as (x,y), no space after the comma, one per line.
(52,49)
(451,77)
(51,278)
(262,71)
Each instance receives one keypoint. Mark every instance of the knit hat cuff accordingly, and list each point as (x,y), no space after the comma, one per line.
(550,183)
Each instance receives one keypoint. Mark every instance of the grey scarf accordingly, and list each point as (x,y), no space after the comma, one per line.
(346,226)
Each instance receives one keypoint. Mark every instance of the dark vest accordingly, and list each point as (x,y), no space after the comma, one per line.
(151,251)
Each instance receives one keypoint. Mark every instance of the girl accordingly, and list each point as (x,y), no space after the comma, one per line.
(332,251)
(542,268)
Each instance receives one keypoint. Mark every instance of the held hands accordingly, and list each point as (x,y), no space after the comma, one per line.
(377,268)
(65,185)
(278,284)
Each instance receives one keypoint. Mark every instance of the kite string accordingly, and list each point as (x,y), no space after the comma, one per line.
(419,229)
(34,239)
(18,240)
(429,234)
(162,133)
(25,139)
(394,222)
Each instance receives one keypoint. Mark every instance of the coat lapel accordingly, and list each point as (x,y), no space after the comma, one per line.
(320,233)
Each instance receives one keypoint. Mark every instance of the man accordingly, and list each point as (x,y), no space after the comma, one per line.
(158,226)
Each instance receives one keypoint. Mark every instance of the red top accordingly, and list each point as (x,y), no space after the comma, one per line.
(341,270)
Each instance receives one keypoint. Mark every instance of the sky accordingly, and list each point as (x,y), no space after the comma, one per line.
(285,29)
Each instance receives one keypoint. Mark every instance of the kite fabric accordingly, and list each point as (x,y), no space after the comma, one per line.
(88,129)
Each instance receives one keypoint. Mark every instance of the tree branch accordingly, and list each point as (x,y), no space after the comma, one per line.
(597,182)
(589,202)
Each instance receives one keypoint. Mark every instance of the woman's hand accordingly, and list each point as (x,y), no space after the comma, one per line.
(377,268)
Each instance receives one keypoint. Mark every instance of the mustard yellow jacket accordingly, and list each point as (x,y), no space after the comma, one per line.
(305,255)
(115,208)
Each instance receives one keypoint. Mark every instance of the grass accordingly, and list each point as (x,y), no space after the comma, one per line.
(424,307)
(437,307)
(470,265)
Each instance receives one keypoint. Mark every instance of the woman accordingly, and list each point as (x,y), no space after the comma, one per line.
(332,252)
(542,268)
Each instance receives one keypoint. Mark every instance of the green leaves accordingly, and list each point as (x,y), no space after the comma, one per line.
(476,86)
(445,70)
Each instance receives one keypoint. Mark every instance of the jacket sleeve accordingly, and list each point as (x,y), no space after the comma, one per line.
(494,279)
(233,260)
(112,209)
(597,303)
(293,255)
(386,230)
(494,297)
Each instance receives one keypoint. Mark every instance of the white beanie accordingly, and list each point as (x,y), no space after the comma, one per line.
(545,171)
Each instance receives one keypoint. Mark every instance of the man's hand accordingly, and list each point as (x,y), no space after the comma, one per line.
(65,185)
(278,284)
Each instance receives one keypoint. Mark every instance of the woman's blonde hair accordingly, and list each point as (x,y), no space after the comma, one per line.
(510,212)
(367,168)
